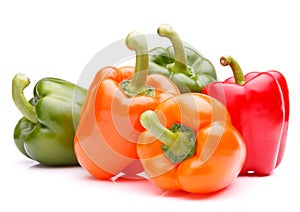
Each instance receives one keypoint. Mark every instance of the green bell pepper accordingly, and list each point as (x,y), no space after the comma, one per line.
(46,132)
(189,70)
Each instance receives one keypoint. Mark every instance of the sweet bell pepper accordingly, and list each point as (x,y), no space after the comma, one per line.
(183,65)
(105,141)
(259,107)
(190,144)
(46,132)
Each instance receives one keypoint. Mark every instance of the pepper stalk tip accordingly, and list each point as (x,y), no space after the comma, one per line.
(137,41)
(225,60)
(165,30)
(235,67)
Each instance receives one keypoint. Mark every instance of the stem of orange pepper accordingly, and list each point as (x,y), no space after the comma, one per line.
(137,86)
(236,69)
(180,63)
(178,142)
(150,121)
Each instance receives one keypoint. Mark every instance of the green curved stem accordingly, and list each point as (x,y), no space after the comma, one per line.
(137,42)
(236,69)
(151,123)
(180,65)
(178,142)
(19,83)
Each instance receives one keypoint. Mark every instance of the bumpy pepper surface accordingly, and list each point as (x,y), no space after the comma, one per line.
(190,71)
(105,141)
(259,107)
(190,144)
(46,132)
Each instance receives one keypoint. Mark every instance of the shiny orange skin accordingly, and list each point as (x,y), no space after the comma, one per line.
(220,149)
(105,140)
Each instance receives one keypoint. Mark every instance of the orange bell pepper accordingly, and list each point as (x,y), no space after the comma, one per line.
(105,140)
(190,144)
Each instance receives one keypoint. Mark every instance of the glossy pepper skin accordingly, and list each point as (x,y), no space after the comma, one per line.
(189,70)
(190,144)
(105,141)
(259,107)
(46,132)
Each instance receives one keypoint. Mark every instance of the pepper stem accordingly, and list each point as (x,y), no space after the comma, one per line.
(236,69)
(19,83)
(150,121)
(180,64)
(137,42)
(178,142)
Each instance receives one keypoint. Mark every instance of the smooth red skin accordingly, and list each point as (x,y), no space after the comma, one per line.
(260,112)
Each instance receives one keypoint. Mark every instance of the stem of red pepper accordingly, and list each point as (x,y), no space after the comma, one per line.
(236,69)
(137,86)
(178,142)
(19,83)
(180,64)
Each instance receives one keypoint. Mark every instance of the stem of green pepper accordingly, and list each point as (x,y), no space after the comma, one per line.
(19,83)
(136,41)
(180,65)
(236,69)
(179,142)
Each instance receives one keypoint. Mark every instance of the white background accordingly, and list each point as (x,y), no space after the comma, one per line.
(59,38)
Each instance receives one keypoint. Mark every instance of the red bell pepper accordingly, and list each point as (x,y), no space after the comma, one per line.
(258,104)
